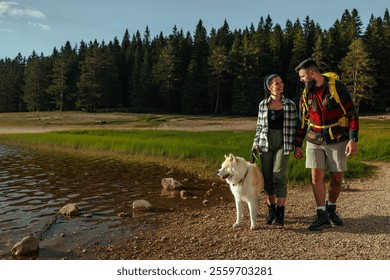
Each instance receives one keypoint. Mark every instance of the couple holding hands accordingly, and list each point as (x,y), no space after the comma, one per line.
(327,118)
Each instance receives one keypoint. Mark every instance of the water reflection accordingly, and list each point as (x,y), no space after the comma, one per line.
(34,186)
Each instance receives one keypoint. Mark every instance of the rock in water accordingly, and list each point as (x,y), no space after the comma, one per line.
(70,210)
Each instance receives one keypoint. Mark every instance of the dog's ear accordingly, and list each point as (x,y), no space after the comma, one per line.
(233,158)
(226,156)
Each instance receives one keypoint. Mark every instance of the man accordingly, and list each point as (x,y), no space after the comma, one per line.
(330,123)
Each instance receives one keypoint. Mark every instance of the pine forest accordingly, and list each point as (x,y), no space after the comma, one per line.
(219,71)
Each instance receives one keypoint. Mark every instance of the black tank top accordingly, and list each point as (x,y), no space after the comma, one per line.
(275,119)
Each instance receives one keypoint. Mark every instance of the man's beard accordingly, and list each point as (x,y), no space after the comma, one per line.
(310,85)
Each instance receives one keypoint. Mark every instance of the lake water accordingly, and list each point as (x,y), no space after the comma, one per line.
(34,186)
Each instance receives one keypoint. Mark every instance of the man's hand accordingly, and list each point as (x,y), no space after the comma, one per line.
(298,153)
(351,148)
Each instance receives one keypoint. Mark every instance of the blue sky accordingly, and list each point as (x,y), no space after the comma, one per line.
(41,25)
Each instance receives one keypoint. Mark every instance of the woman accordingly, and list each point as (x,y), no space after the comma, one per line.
(274,140)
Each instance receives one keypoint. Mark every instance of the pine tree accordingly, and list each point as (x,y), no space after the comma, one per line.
(247,85)
(276,50)
(335,48)
(196,98)
(310,33)
(59,88)
(135,90)
(165,77)
(357,70)
(147,96)
(351,26)
(299,51)
(377,42)
(261,39)
(319,54)
(98,79)
(36,81)
(220,44)
(11,84)
(63,86)
(289,75)
(114,51)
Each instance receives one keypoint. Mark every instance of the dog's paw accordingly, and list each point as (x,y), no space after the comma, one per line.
(236,225)
(254,227)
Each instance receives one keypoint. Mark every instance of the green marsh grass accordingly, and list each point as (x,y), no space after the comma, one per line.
(374,140)
(192,151)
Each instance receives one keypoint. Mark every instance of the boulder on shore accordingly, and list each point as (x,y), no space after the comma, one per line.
(142,205)
(171,184)
(28,246)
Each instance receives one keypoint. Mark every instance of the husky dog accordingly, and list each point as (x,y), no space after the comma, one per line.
(246,182)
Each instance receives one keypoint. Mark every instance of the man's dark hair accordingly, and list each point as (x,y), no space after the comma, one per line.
(308,64)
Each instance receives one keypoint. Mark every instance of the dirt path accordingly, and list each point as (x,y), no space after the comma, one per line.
(207,232)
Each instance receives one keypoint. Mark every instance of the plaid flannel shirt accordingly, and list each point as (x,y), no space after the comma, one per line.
(289,125)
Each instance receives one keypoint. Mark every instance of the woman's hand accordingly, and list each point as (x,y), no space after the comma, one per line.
(298,153)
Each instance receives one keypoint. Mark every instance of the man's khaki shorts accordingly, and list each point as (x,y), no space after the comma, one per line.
(333,156)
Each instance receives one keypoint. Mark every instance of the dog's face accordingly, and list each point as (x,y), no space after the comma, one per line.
(232,167)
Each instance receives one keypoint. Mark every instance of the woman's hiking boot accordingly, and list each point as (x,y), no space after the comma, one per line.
(271,214)
(279,216)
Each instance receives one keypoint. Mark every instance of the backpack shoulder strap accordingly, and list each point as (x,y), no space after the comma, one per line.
(304,108)
(332,88)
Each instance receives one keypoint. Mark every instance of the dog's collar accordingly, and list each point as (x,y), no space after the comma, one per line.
(242,179)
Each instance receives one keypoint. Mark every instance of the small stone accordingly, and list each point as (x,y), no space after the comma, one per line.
(183,195)
(142,205)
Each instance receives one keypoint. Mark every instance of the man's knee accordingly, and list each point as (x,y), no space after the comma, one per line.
(317,176)
(336,180)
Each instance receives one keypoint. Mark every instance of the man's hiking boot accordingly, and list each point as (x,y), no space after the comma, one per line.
(279,216)
(321,221)
(271,214)
(333,215)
